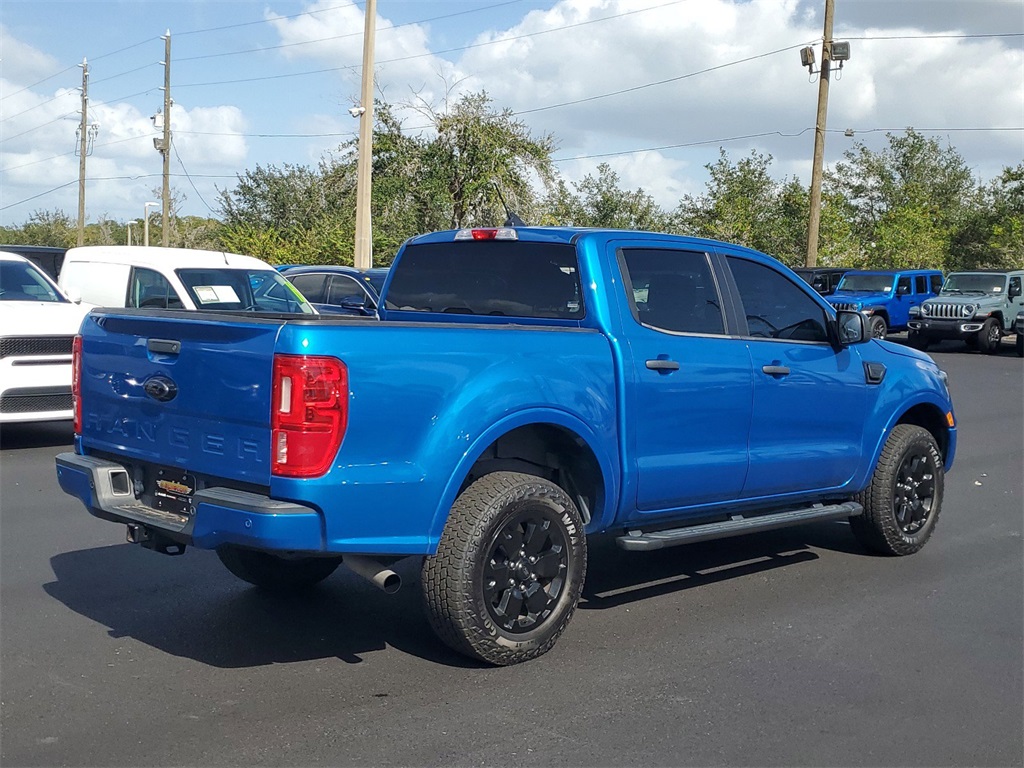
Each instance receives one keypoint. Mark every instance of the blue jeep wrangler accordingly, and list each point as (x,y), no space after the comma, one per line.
(885,298)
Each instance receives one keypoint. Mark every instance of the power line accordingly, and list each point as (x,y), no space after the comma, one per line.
(136,177)
(187,176)
(431,53)
(42,125)
(74,66)
(350,34)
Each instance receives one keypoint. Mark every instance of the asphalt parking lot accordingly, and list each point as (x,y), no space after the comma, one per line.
(789,648)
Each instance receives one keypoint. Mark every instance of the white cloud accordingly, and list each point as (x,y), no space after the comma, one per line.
(692,76)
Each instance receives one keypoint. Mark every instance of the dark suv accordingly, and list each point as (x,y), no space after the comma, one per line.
(822,279)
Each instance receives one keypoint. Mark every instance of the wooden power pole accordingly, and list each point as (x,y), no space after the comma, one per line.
(166,145)
(363,257)
(83,148)
(814,220)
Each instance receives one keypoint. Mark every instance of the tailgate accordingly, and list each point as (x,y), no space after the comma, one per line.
(180,391)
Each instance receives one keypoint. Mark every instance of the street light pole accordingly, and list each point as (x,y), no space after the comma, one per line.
(133,221)
(145,222)
(363,257)
(814,219)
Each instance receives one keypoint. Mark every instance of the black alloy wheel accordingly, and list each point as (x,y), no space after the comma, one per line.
(914,491)
(524,572)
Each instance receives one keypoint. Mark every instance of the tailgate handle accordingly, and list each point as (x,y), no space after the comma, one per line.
(164,346)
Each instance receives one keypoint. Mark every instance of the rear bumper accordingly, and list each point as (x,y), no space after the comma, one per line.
(946,329)
(221,515)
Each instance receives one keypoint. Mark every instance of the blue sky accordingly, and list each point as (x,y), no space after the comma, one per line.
(652,87)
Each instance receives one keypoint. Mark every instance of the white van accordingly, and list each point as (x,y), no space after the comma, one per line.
(176,278)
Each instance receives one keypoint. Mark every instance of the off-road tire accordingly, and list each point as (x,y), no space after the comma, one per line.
(988,337)
(495,527)
(274,573)
(903,500)
(877,327)
(1019,344)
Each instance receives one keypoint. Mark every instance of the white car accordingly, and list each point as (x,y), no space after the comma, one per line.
(37,326)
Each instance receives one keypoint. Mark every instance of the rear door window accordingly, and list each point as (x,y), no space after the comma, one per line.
(497,278)
(311,286)
(673,290)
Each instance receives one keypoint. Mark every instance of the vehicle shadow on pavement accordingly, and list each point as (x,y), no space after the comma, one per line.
(45,434)
(616,577)
(190,606)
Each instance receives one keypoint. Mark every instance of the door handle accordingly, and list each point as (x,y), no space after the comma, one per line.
(663,365)
(775,370)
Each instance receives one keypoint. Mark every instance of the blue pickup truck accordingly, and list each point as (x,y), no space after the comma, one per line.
(521,389)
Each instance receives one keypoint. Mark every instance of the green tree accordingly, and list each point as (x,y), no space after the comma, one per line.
(905,202)
(599,201)
(744,204)
(478,156)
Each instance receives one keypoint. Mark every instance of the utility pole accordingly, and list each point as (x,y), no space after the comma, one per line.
(83,146)
(814,220)
(363,257)
(166,145)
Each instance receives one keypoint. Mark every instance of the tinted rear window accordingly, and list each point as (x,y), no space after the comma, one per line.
(515,279)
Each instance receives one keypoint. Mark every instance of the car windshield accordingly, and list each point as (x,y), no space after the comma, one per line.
(376,278)
(866,283)
(977,282)
(250,290)
(22,281)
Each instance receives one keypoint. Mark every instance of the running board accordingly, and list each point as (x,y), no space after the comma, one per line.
(737,525)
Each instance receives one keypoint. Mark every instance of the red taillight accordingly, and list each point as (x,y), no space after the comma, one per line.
(76,382)
(308,414)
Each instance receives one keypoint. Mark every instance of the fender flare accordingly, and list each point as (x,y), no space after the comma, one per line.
(894,419)
(513,421)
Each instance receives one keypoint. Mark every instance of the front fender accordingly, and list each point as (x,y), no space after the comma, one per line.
(523,418)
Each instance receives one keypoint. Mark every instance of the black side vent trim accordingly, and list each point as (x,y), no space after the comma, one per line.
(874,373)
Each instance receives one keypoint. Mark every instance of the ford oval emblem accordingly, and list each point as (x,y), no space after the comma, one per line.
(161,388)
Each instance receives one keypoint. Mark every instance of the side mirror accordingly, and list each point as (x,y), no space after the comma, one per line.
(1014,291)
(850,328)
(74,294)
(353,302)
(902,290)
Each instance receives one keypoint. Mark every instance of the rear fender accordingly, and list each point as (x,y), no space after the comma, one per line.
(609,471)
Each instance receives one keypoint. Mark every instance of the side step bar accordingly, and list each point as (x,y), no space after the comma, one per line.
(638,541)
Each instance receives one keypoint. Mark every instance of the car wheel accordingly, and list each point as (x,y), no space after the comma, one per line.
(877,327)
(988,337)
(509,569)
(1020,345)
(275,573)
(902,502)
(918,341)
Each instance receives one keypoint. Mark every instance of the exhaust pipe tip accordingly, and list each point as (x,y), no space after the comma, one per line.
(382,577)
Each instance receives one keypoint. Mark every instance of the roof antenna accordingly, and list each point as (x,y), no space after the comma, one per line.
(511,219)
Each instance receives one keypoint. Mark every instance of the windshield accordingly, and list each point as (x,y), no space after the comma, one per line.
(22,281)
(250,290)
(376,278)
(974,283)
(866,283)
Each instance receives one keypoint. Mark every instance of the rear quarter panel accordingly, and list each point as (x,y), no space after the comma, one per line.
(425,401)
